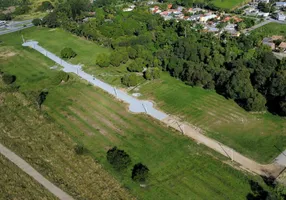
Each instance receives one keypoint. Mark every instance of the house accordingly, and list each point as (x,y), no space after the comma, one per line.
(268,42)
(205,18)
(280,4)
(194,18)
(282,47)
(277,37)
(264,1)
(263,14)
(280,17)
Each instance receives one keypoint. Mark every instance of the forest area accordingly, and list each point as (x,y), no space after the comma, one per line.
(237,68)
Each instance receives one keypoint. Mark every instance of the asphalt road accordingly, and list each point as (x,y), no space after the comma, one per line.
(14,26)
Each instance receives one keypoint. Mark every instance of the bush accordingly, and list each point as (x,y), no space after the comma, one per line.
(8,79)
(103,60)
(152,73)
(135,66)
(61,77)
(20,10)
(129,80)
(68,53)
(140,172)
(119,159)
(37,22)
(79,149)
(46,5)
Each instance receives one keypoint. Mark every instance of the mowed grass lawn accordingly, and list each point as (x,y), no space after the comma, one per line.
(229,4)
(179,168)
(270,30)
(16,184)
(255,135)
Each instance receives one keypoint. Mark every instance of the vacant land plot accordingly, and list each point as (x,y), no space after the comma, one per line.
(271,29)
(255,135)
(180,169)
(258,136)
(16,184)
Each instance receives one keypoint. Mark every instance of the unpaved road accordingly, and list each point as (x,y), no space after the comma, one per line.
(23,165)
(147,107)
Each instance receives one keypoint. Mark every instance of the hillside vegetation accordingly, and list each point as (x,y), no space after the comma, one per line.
(16,184)
(179,168)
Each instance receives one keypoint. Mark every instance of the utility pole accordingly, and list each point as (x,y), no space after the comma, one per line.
(145,108)
(115,91)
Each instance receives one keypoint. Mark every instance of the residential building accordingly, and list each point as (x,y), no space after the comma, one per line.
(268,42)
(282,47)
(205,18)
(280,17)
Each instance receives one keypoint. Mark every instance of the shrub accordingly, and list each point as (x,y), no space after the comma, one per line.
(79,149)
(140,172)
(152,73)
(68,53)
(129,80)
(8,79)
(103,60)
(23,9)
(119,159)
(46,5)
(135,67)
(37,22)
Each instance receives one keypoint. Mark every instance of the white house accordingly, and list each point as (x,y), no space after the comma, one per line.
(280,17)
(280,4)
(205,18)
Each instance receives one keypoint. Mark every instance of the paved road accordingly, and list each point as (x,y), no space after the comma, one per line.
(23,165)
(138,106)
(262,24)
(14,26)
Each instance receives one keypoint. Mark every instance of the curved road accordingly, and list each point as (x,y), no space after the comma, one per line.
(23,165)
(139,106)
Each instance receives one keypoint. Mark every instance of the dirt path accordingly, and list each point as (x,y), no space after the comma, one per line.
(23,165)
(270,170)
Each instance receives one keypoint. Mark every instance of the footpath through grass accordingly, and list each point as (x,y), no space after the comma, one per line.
(255,135)
(16,184)
(179,168)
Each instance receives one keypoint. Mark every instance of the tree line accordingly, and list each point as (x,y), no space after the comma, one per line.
(239,68)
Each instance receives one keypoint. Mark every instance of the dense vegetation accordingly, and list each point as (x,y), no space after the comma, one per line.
(238,68)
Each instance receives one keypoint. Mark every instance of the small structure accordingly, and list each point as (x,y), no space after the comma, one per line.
(130,8)
(282,47)
(205,18)
(280,4)
(280,17)
(268,42)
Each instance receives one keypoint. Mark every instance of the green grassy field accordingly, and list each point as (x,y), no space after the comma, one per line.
(271,29)
(16,184)
(179,168)
(229,4)
(251,134)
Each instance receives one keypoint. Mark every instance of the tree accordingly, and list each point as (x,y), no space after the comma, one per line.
(152,73)
(103,60)
(40,99)
(140,172)
(256,102)
(46,5)
(37,22)
(8,79)
(129,80)
(51,20)
(135,66)
(119,159)
(68,53)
